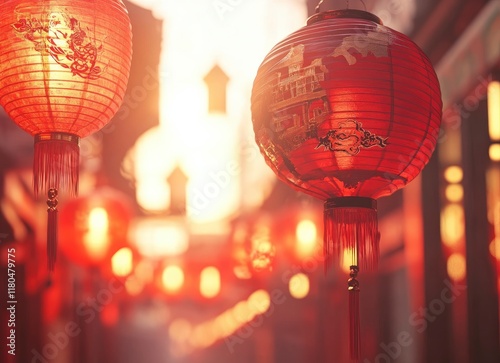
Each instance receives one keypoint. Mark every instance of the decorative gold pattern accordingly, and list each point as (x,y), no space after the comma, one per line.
(375,42)
(350,137)
(299,102)
(65,40)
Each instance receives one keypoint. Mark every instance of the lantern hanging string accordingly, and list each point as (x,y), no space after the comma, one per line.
(52,203)
(318,7)
(354,317)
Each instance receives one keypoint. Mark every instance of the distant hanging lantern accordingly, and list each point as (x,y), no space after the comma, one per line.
(94,227)
(64,67)
(347,110)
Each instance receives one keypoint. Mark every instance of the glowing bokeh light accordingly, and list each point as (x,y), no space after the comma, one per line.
(133,286)
(172,278)
(96,240)
(454,193)
(495,248)
(456,267)
(306,235)
(259,301)
(299,286)
(210,282)
(157,238)
(494,110)
(122,262)
(348,259)
(494,152)
(144,271)
(452,224)
(453,174)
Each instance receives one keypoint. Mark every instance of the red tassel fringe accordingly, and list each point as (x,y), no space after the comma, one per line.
(354,325)
(354,229)
(56,166)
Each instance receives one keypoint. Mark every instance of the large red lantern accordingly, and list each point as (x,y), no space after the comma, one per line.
(347,110)
(64,67)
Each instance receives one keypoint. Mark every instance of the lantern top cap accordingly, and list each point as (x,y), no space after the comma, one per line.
(344,13)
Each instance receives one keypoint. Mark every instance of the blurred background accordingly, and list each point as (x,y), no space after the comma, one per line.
(183,247)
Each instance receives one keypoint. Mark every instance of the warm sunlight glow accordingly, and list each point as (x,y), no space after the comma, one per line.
(453,174)
(122,262)
(454,192)
(456,267)
(153,195)
(299,286)
(157,238)
(495,152)
(494,110)
(214,149)
(172,278)
(210,282)
(96,240)
(150,171)
(452,224)
(306,234)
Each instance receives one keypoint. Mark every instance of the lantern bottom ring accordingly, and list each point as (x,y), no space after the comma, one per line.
(62,136)
(353,202)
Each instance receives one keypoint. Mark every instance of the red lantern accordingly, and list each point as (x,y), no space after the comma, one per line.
(94,227)
(64,67)
(348,111)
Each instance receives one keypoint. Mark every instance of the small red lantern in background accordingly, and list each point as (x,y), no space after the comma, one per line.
(94,227)
(348,111)
(64,67)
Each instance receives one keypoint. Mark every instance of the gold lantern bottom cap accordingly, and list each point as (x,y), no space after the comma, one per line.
(352,202)
(61,136)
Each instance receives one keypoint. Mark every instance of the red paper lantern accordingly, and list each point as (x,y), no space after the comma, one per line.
(64,67)
(347,110)
(93,228)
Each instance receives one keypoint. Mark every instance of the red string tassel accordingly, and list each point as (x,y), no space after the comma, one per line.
(55,166)
(56,162)
(52,228)
(351,225)
(354,316)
